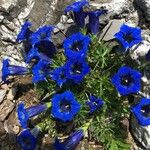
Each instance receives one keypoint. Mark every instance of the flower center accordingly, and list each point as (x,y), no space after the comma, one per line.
(43,35)
(146,110)
(65,106)
(46,47)
(26,142)
(127,80)
(128,37)
(76,68)
(62,75)
(77,46)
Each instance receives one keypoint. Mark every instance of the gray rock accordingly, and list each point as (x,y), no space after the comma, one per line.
(6,108)
(12,93)
(110,29)
(70,21)
(145,7)
(63,19)
(140,51)
(2,130)
(141,133)
(2,95)
(56,30)
(115,8)
(60,26)
(11,126)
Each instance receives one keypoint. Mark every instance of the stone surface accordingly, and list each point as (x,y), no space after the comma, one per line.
(13,15)
(145,7)
(114,7)
(140,51)
(60,26)
(6,108)
(110,29)
(2,130)
(63,19)
(2,95)
(70,20)
(12,92)
(141,133)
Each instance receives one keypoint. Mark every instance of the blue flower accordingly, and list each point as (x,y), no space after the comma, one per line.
(65,106)
(94,103)
(8,70)
(59,75)
(74,139)
(128,36)
(94,20)
(43,33)
(77,8)
(25,113)
(35,54)
(46,47)
(28,139)
(127,80)
(40,71)
(71,142)
(25,32)
(142,111)
(76,45)
(76,69)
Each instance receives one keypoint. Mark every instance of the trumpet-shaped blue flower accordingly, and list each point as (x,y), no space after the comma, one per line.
(59,75)
(40,71)
(27,139)
(94,103)
(34,54)
(142,112)
(46,47)
(79,14)
(128,36)
(127,80)
(8,70)
(76,45)
(43,33)
(76,69)
(94,20)
(25,32)
(65,106)
(25,113)
(71,142)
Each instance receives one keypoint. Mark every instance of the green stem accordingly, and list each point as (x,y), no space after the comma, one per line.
(86,125)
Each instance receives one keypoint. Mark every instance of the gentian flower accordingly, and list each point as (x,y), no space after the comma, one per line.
(128,36)
(25,113)
(59,75)
(142,112)
(40,71)
(76,69)
(79,14)
(34,53)
(127,80)
(46,47)
(25,32)
(8,70)
(94,20)
(76,45)
(94,103)
(43,33)
(27,139)
(73,140)
(65,106)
